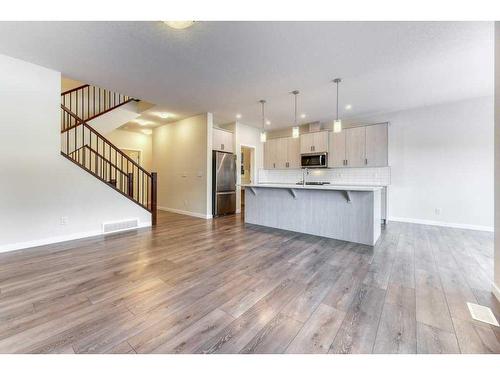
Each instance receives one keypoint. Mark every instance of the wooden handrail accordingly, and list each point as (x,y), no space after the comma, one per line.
(122,174)
(103,138)
(75,89)
(88,102)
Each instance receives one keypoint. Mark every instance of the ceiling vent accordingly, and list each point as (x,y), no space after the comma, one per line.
(118,226)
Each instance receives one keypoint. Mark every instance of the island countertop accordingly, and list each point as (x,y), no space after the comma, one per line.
(316,187)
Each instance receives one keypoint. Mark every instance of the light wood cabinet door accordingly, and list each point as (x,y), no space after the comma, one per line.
(268,155)
(320,141)
(307,143)
(217,140)
(228,141)
(355,146)
(293,152)
(222,140)
(376,145)
(337,154)
(281,153)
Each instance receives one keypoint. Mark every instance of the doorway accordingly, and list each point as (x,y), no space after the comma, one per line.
(247,171)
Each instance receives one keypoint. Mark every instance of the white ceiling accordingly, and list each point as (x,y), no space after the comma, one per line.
(226,67)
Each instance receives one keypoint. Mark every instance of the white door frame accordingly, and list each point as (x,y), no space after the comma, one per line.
(253,168)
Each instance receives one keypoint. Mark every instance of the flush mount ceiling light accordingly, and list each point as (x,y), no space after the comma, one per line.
(303,115)
(263,135)
(238,115)
(295,129)
(147,131)
(337,124)
(348,107)
(268,122)
(179,25)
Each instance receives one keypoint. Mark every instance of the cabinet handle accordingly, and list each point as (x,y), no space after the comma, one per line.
(287,164)
(366,161)
(274,165)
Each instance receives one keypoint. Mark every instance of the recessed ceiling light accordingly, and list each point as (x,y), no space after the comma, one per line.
(238,115)
(268,122)
(179,25)
(142,122)
(348,107)
(303,115)
(165,115)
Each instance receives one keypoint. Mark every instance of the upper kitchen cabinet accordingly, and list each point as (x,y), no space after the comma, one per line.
(314,142)
(363,146)
(282,153)
(355,146)
(293,153)
(222,140)
(337,155)
(376,145)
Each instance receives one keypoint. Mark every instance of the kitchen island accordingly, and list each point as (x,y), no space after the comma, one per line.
(343,212)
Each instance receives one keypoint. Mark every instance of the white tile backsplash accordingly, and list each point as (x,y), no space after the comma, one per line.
(348,176)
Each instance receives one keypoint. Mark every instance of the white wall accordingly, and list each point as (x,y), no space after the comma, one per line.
(441,157)
(128,140)
(496,287)
(38,185)
(247,136)
(182,158)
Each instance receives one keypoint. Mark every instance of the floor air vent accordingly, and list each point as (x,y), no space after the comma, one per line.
(482,313)
(117,226)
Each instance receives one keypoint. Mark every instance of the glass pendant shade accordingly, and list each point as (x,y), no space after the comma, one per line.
(337,126)
(295,132)
(263,136)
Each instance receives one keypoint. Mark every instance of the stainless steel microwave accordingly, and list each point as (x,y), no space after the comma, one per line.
(319,160)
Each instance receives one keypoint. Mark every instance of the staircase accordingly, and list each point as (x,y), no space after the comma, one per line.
(87,148)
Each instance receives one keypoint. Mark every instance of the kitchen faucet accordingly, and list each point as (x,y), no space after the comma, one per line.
(305,173)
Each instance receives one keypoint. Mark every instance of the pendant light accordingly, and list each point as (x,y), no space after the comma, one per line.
(295,129)
(337,124)
(263,135)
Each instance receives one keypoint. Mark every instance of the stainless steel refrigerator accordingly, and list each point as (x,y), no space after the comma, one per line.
(223,183)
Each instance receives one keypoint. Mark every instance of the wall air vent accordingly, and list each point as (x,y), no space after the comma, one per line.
(118,226)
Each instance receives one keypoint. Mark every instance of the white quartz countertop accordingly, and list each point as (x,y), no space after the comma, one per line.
(316,187)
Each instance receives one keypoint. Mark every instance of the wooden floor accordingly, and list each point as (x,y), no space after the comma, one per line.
(218,286)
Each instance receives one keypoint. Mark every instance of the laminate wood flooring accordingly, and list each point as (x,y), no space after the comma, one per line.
(219,286)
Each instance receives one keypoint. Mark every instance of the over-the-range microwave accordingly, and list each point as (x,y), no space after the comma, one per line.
(317,160)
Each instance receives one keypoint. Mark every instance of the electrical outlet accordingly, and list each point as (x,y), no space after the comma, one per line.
(64,220)
(437,211)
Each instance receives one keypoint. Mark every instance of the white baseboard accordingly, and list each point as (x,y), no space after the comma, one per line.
(496,291)
(64,238)
(441,224)
(188,213)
